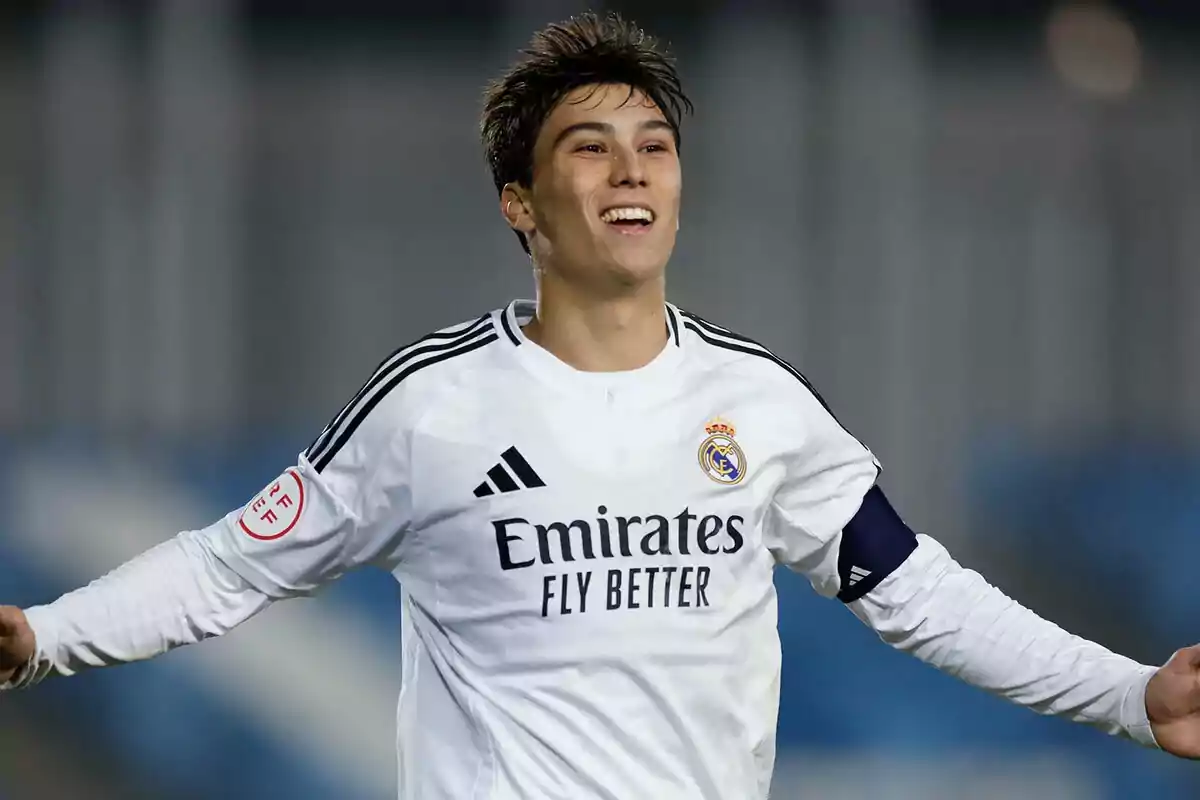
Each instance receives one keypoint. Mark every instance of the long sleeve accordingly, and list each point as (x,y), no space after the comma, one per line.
(347,507)
(174,594)
(831,522)
(343,505)
(953,619)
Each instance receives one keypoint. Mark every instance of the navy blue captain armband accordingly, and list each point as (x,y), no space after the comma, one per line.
(874,544)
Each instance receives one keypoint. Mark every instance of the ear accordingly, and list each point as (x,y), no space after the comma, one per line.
(515,208)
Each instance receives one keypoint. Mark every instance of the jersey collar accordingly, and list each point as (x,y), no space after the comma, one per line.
(546,365)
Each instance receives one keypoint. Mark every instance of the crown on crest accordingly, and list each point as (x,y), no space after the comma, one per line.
(722,427)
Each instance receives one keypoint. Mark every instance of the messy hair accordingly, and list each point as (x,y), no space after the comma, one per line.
(582,51)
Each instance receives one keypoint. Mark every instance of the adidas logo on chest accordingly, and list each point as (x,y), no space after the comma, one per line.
(511,474)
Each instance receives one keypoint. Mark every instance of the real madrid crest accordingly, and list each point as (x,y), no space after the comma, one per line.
(720,456)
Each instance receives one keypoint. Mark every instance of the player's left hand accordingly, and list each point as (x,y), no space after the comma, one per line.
(1173,704)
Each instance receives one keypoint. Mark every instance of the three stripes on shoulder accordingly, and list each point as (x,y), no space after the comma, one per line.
(429,350)
(726,339)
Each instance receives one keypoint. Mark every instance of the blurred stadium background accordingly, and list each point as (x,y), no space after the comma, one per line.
(975,225)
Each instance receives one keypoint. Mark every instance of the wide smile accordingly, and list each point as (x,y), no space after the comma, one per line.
(628,220)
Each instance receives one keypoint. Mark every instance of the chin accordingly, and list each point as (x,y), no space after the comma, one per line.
(637,271)
(638,262)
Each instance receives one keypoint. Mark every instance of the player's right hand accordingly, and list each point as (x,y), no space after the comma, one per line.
(17,641)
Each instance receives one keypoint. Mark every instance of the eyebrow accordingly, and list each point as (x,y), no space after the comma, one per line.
(607,128)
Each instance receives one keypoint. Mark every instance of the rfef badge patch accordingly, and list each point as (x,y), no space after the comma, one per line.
(720,456)
(276,509)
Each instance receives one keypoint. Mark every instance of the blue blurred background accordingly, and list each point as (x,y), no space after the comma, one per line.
(975,226)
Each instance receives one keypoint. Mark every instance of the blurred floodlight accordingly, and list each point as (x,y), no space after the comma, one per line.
(1094,49)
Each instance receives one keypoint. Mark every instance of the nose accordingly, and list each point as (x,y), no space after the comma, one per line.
(627,169)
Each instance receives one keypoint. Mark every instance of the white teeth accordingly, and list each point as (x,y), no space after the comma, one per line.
(629,212)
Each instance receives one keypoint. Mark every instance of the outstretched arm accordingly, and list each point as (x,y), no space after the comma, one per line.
(921,601)
(175,594)
(953,619)
(830,521)
(305,529)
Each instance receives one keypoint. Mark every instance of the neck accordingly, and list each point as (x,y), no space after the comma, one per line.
(613,333)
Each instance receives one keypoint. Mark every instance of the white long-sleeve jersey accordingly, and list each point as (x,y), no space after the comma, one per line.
(586,563)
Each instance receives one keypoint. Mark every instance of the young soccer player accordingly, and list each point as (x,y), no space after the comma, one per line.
(584,498)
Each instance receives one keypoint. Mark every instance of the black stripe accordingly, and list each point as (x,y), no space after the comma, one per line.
(508,328)
(380,372)
(768,355)
(717,330)
(391,384)
(757,350)
(463,333)
(673,326)
(381,375)
(502,479)
(484,490)
(520,466)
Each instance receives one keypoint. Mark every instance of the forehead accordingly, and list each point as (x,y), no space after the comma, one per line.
(614,103)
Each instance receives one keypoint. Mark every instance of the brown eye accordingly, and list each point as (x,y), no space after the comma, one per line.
(589,148)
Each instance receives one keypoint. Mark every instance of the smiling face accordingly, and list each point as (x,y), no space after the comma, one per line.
(603,208)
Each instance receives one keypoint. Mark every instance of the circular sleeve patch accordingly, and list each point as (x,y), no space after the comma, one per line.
(276,509)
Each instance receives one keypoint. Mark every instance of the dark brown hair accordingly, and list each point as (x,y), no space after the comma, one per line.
(584,50)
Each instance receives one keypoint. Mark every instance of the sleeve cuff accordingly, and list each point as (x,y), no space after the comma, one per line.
(1134,719)
(41,663)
